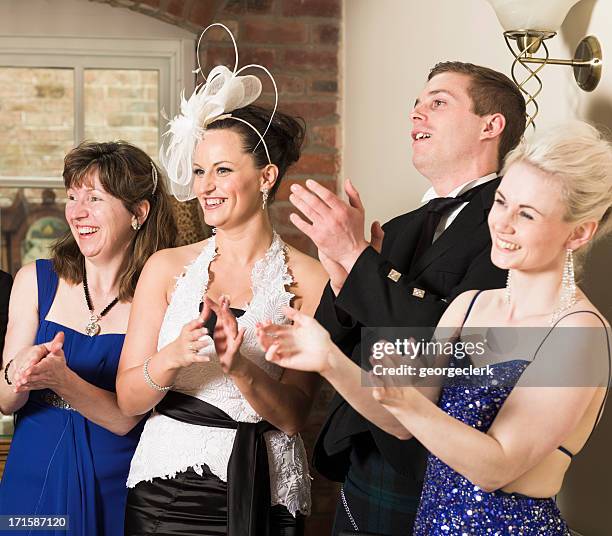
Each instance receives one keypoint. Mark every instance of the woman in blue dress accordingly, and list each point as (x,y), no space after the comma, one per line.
(500,443)
(72,447)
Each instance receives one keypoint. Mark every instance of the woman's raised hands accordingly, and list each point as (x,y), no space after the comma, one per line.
(304,345)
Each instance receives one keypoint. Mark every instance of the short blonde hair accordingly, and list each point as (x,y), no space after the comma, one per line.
(580,158)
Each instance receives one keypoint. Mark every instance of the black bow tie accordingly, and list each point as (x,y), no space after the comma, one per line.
(436,208)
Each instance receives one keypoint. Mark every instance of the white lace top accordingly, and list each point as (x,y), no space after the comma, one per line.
(168,446)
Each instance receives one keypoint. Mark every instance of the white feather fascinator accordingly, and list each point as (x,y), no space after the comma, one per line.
(223,92)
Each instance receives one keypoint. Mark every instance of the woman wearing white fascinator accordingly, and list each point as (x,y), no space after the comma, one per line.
(220,453)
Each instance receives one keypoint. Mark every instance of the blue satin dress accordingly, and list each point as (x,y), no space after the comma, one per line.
(59,461)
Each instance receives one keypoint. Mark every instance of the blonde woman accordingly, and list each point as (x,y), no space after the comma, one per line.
(499,447)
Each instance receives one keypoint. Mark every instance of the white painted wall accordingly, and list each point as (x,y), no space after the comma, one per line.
(389,47)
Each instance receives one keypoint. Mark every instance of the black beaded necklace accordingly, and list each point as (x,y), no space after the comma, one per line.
(93,326)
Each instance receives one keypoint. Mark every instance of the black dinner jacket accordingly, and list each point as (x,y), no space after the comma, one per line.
(457,261)
(6,282)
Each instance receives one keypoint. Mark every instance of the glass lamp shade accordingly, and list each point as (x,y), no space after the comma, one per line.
(543,15)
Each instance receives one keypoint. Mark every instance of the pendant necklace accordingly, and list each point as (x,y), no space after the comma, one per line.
(93,326)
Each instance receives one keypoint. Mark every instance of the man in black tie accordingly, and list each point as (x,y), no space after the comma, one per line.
(6,282)
(464,122)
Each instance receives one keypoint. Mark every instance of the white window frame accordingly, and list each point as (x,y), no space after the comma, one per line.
(172,58)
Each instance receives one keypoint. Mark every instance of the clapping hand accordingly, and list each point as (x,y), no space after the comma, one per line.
(376,236)
(41,367)
(336,272)
(191,341)
(337,226)
(304,345)
(228,338)
(392,391)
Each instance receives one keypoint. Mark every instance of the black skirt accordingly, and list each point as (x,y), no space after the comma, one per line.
(190,505)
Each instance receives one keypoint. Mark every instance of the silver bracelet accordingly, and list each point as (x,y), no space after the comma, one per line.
(149,380)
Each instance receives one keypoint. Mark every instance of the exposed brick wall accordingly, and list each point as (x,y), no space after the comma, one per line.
(37,120)
(298,40)
(37,107)
(122,104)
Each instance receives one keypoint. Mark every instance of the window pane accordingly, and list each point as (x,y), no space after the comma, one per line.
(123,104)
(37,127)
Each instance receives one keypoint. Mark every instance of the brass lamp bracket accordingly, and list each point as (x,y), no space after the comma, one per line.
(587,63)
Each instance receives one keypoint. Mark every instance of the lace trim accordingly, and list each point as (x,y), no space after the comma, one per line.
(266,272)
(201,264)
(167,446)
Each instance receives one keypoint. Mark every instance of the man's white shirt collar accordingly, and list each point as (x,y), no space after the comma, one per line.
(431,193)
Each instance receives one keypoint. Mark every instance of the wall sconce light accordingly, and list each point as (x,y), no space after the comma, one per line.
(527,25)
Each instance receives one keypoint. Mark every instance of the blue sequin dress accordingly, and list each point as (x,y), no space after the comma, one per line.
(61,463)
(450,504)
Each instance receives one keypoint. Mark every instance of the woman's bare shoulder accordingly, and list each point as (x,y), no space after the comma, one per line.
(25,284)
(309,279)
(27,273)
(583,314)
(162,269)
(306,270)
(170,260)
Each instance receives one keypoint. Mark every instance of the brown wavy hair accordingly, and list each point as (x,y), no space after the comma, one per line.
(126,173)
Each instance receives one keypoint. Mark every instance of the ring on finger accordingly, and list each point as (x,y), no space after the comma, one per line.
(191,348)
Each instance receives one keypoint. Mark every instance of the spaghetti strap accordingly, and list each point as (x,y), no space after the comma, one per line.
(609,382)
(47,282)
(469,309)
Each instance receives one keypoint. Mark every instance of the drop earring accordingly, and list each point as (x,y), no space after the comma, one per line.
(264,196)
(567,298)
(135,224)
